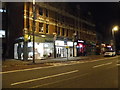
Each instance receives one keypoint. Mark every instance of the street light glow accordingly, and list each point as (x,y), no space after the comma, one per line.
(115,28)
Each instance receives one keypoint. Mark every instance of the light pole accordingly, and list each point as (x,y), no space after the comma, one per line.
(74,35)
(55,35)
(114,29)
(33,31)
(25,53)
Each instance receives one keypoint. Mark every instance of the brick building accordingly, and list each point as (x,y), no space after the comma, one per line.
(54,28)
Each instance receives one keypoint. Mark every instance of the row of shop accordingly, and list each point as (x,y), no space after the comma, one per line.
(44,48)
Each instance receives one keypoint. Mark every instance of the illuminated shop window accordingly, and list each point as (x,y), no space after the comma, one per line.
(2,33)
(40,27)
(47,28)
(40,11)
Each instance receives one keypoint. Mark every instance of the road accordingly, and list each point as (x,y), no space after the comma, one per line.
(100,73)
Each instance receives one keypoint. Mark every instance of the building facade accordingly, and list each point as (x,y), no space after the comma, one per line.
(57,33)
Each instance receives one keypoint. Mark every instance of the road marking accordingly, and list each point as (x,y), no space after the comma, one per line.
(102,59)
(102,65)
(59,81)
(118,64)
(52,66)
(27,81)
(25,69)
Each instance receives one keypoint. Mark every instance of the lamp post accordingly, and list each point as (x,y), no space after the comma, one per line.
(33,31)
(114,29)
(74,35)
(55,35)
(25,53)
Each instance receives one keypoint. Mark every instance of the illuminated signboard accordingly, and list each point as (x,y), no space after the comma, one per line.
(81,41)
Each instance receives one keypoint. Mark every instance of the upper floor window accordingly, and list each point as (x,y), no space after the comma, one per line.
(47,28)
(41,11)
(63,19)
(63,31)
(55,29)
(67,32)
(47,13)
(40,27)
(58,31)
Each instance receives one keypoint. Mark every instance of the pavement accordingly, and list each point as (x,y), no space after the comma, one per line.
(12,64)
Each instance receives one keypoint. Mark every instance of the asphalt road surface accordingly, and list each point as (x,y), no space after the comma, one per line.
(100,73)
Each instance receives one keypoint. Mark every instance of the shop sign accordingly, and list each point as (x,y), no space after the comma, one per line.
(61,43)
(81,41)
(26,37)
(70,44)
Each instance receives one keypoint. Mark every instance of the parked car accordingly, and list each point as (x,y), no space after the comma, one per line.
(110,53)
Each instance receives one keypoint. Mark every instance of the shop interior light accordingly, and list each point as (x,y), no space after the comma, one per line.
(43,36)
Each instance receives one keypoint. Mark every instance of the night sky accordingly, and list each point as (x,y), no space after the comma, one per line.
(104,14)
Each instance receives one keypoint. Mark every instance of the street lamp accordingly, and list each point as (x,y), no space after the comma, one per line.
(55,35)
(114,29)
(74,35)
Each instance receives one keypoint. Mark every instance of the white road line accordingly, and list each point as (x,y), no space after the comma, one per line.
(102,59)
(118,64)
(51,66)
(25,69)
(102,65)
(59,81)
(27,81)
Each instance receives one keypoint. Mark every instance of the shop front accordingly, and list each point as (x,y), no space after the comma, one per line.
(85,48)
(43,48)
(62,47)
(81,48)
